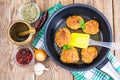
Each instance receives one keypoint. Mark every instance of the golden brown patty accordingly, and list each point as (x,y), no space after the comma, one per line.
(73,22)
(62,37)
(91,27)
(89,54)
(70,56)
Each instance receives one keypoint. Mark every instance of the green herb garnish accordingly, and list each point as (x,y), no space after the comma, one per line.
(66,47)
(82,24)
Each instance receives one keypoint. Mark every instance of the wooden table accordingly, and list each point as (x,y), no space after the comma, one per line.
(9,13)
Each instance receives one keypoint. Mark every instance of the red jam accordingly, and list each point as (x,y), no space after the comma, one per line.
(24,56)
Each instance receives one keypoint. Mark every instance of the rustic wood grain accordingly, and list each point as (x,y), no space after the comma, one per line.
(116,7)
(55,72)
(9,13)
(45,4)
(8,69)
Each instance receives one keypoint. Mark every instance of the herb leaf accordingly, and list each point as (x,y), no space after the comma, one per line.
(82,24)
(66,47)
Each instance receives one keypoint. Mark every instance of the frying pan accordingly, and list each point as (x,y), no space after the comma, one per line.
(58,20)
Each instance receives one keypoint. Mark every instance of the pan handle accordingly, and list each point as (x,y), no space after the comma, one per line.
(108,68)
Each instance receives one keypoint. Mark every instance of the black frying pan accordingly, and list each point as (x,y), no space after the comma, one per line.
(58,20)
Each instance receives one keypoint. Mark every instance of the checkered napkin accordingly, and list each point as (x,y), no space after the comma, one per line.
(92,74)
(96,74)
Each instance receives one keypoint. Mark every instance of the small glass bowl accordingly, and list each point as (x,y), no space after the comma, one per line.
(35,5)
(18,51)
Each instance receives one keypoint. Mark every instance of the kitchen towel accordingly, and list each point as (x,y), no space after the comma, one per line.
(92,74)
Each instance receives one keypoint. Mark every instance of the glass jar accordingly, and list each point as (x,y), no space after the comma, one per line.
(24,56)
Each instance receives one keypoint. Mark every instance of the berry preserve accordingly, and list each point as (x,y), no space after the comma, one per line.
(24,56)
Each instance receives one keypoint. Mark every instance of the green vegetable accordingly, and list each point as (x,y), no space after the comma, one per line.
(66,47)
(82,24)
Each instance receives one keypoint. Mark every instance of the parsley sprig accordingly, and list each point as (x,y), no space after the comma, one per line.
(82,24)
(66,47)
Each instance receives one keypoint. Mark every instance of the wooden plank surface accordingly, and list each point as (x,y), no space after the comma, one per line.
(8,69)
(9,13)
(116,7)
(55,72)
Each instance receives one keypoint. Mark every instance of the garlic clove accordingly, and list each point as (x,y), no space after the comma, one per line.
(39,68)
(38,73)
(46,69)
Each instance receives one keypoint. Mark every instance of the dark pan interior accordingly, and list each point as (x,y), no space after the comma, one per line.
(58,20)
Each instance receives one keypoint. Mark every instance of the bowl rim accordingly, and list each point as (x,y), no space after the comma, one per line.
(38,9)
(77,5)
(23,42)
(32,60)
